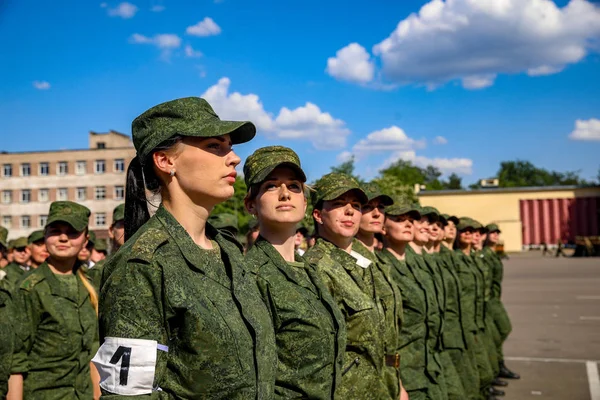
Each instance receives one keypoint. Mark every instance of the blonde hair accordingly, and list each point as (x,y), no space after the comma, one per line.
(90,289)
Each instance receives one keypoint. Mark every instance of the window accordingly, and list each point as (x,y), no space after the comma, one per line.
(119,165)
(101,145)
(25,169)
(7,196)
(25,196)
(7,170)
(44,169)
(119,192)
(42,220)
(7,221)
(100,193)
(25,221)
(63,168)
(100,219)
(100,166)
(43,195)
(62,194)
(80,167)
(81,193)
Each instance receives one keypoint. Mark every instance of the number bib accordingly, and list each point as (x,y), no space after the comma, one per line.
(126,366)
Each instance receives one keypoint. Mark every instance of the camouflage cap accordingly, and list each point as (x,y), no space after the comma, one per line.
(493,228)
(11,244)
(119,213)
(333,185)
(431,212)
(264,160)
(465,223)
(188,116)
(452,218)
(3,236)
(19,242)
(35,236)
(100,245)
(72,213)
(224,221)
(92,239)
(373,191)
(404,206)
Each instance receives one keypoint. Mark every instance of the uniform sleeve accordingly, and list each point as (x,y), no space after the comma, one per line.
(132,306)
(265,293)
(26,319)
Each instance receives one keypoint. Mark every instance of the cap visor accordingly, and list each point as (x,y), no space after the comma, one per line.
(239,131)
(78,226)
(343,190)
(385,200)
(262,175)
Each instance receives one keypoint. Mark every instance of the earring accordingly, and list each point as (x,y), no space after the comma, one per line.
(172,173)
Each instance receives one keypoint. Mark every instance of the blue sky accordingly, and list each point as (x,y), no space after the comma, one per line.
(462,85)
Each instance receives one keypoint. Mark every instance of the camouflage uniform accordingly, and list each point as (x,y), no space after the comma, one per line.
(14,271)
(309,328)
(352,288)
(6,335)
(202,304)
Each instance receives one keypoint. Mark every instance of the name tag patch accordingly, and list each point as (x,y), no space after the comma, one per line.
(127,366)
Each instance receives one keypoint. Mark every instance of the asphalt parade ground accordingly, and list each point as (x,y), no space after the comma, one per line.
(554,305)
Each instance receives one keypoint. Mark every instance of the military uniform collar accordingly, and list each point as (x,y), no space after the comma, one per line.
(55,286)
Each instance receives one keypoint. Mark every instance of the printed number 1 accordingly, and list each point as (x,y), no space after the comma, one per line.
(124,353)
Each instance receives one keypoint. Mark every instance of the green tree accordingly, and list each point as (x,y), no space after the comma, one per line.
(347,167)
(521,173)
(235,205)
(454,182)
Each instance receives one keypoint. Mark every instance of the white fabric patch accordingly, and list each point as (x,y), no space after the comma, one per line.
(360,260)
(127,366)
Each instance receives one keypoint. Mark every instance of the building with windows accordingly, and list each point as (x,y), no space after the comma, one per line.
(94,177)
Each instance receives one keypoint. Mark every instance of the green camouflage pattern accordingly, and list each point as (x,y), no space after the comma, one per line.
(19,243)
(92,239)
(264,160)
(493,228)
(35,236)
(57,336)
(390,298)
(118,213)
(69,212)
(365,325)
(449,217)
(333,185)
(14,273)
(3,236)
(203,304)
(310,330)
(373,191)
(95,274)
(432,212)
(101,245)
(188,116)
(465,223)
(224,221)
(6,338)
(403,206)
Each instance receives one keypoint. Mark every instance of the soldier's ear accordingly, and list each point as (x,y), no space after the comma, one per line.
(318,217)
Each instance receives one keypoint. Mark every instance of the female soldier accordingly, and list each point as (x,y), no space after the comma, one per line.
(309,328)
(371,223)
(179,316)
(56,305)
(337,202)
(495,306)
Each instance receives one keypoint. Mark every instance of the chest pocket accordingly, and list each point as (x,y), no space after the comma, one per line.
(59,331)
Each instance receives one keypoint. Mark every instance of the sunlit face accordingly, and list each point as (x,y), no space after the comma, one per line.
(117,233)
(466,237)
(436,232)
(205,168)
(340,218)
(450,231)
(96,255)
(38,252)
(21,255)
(372,217)
(476,241)
(399,228)
(63,242)
(493,237)
(421,230)
(280,199)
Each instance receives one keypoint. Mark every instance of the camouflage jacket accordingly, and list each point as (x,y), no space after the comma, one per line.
(14,273)
(95,274)
(486,271)
(497,271)
(7,337)
(353,290)
(413,333)
(471,280)
(202,306)
(56,336)
(309,328)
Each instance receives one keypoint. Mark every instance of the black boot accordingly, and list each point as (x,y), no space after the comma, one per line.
(499,382)
(507,373)
(496,392)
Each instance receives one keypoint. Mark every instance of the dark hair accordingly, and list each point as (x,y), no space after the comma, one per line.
(141,176)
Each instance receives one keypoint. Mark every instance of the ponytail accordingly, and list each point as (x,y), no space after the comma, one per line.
(90,289)
(136,210)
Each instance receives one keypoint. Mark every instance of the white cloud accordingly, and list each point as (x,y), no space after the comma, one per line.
(474,41)
(124,10)
(166,42)
(302,123)
(103,5)
(440,140)
(41,85)
(445,165)
(206,27)
(586,130)
(388,139)
(352,63)
(344,156)
(191,53)
(157,8)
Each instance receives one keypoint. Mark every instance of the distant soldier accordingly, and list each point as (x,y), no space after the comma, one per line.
(37,248)
(21,255)
(116,231)
(3,247)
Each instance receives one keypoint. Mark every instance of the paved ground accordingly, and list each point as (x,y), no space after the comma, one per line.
(554,306)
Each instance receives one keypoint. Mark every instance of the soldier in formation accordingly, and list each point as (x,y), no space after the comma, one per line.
(393,301)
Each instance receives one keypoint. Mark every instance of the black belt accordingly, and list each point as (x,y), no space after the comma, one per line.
(392,360)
